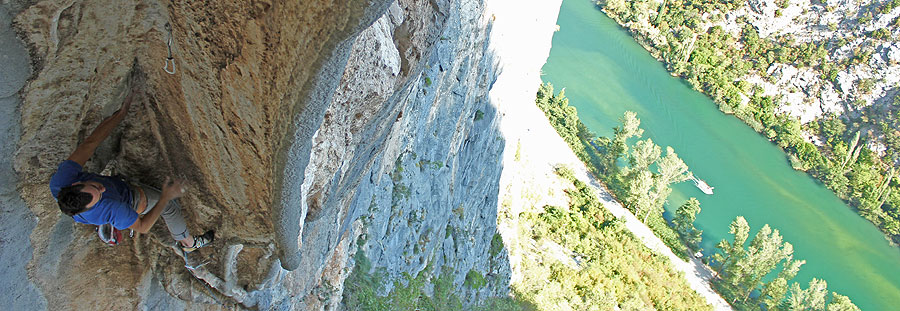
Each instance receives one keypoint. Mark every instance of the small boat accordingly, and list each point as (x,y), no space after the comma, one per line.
(702,185)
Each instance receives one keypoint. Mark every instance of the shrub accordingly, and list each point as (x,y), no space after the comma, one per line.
(479,115)
(474,280)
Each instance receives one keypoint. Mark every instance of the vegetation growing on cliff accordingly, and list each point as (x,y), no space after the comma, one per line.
(364,290)
(689,38)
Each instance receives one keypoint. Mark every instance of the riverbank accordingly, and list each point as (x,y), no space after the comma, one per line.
(534,149)
(751,176)
(529,180)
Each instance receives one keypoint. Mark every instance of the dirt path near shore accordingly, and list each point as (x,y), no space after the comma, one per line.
(539,143)
(697,274)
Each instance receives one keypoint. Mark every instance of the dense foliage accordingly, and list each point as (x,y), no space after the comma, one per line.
(684,223)
(610,268)
(643,183)
(682,34)
(364,290)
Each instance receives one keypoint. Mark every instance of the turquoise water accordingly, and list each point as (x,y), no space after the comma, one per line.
(606,73)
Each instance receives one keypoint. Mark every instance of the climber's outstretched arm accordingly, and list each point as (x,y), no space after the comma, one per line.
(85,150)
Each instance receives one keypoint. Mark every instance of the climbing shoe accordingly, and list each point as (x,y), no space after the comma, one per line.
(201,241)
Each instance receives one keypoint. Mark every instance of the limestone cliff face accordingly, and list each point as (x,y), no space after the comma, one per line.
(300,126)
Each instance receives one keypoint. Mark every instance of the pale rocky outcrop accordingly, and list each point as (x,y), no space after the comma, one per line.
(802,92)
(769,18)
(300,127)
(843,27)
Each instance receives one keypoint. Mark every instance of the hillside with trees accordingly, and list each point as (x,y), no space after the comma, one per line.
(818,78)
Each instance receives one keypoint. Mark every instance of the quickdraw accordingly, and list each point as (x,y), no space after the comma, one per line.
(170,60)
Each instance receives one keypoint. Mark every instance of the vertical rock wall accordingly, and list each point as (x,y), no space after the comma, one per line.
(244,70)
(16,221)
(422,183)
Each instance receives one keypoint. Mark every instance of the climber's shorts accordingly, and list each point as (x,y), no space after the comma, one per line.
(171,214)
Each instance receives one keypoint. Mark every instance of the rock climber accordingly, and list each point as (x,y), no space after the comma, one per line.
(96,199)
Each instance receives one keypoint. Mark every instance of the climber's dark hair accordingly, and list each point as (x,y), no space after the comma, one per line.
(72,201)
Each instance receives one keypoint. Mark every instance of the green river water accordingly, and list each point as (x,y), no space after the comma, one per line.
(605,72)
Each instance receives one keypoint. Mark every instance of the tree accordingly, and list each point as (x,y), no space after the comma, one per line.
(832,129)
(644,153)
(672,169)
(773,293)
(639,181)
(841,303)
(764,253)
(884,191)
(853,152)
(631,127)
(791,267)
(618,146)
(684,222)
(647,191)
(730,252)
(812,298)
(658,196)
(616,6)
(639,187)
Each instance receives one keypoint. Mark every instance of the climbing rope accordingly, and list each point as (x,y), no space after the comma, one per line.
(187,262)
(170,60)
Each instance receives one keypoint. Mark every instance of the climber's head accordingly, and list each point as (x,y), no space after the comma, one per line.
(79,197)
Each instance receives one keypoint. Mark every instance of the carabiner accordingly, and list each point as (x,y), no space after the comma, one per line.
(170,60)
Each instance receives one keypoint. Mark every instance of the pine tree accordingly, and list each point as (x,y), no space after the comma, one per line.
(812,298)
(773,293)
(684,222)
(730,252)
(762,256)
(841,303)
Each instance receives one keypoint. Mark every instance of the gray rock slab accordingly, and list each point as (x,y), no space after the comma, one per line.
(15,69)
(16,220)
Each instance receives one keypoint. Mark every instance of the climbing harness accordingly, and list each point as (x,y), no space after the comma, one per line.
(109,234)
(170,60)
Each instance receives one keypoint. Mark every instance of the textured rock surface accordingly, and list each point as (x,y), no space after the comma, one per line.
(423,167)
(16,221)
(843,27)
(300,126)
(805,94)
